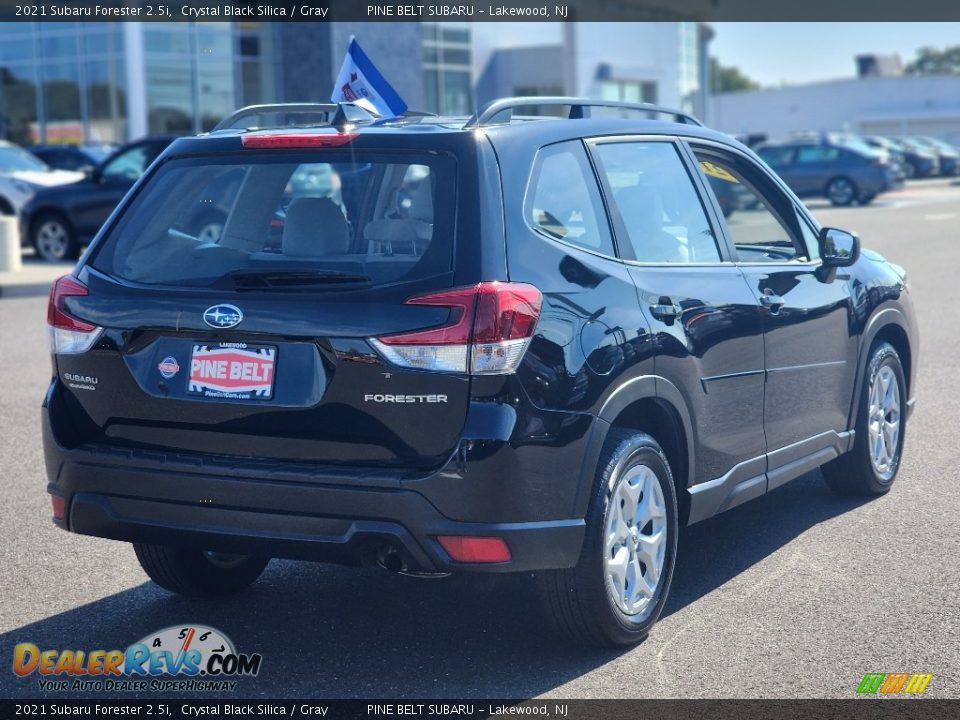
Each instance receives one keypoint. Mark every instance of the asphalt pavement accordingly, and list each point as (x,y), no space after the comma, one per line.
(796,594)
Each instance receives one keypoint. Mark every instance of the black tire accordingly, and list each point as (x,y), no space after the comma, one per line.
(855,473)
(192,573)
(576,601)
(49,224)
(841,191)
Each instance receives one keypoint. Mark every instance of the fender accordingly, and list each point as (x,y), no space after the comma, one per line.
(877,322)
(637,388)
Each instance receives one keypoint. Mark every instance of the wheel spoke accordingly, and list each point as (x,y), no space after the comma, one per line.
(617,572)
(617,531)
(891,432)
(640,588)
(632,490)
(648,551)
(880,451)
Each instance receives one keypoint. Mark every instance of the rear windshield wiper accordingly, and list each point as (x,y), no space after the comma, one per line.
(287,278)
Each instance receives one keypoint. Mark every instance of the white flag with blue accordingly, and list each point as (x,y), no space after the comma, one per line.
(360,80)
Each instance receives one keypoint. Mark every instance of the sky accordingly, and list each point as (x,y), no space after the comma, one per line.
(770,53)
(776,53)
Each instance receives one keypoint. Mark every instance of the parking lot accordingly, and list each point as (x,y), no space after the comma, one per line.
(796,594)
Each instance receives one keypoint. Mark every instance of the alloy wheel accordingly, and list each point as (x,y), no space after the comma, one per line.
(52,240)
(883,421)
(636,540)
(841,192)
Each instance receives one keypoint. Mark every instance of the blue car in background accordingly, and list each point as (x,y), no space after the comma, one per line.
(844,170)
(921,161)
(947,154)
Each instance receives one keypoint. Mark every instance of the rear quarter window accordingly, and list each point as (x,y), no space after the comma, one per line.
(563,199)
(253,217)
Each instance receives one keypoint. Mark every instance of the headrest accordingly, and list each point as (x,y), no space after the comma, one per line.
(315,227)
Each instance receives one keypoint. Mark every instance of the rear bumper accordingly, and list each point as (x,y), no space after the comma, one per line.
(169,499)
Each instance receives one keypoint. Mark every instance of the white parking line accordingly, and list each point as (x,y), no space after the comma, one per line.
(940,216)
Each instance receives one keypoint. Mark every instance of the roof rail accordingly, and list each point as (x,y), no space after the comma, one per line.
(579,108)
(298,115)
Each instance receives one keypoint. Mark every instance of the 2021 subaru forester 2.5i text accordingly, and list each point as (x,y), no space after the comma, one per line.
(495,345)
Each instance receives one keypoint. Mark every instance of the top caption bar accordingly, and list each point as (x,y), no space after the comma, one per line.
(505,11)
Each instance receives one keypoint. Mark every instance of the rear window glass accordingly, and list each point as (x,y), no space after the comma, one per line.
(275,220)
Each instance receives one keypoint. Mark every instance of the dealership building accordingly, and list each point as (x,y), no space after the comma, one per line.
(871,105)
(662,62)
(96,82)
(111,82)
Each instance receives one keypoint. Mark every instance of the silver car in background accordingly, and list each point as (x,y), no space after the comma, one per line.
(22,174)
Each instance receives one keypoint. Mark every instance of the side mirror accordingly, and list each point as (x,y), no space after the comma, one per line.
(96,175)
(838,248)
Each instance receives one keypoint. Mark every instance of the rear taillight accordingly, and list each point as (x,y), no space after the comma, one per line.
(490,326)
(68,334)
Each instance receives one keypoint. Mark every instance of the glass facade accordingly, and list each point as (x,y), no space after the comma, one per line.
(190,78)
(447,69)
(67,82)
(688,66)
(629,90)
(62,82)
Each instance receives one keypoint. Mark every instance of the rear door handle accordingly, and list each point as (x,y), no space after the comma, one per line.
(666,309)
(770,300)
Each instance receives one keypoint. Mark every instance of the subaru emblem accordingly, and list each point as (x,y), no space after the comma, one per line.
(222,316)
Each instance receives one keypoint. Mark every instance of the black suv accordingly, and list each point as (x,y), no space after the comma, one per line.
(494,344)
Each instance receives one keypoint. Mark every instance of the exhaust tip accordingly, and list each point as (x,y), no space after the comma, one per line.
(390,559)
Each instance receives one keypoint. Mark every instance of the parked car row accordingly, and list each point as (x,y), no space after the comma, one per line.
(847,168)
(63,194)
(842,169)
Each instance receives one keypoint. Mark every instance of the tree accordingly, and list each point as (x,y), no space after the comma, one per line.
(725,79)
(934,61)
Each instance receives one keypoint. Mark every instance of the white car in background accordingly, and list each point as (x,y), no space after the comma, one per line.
(21,174)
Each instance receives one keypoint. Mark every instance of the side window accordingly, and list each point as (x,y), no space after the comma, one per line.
(564,200)
(129,165)
(807,154)
(657,202)
(763,225)
(776,157)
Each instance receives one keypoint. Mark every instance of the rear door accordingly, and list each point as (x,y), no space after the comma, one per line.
(813,168)
(699,307)
(255,343)
(807,314)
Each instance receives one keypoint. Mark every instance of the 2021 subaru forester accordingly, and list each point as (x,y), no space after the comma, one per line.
(494,344)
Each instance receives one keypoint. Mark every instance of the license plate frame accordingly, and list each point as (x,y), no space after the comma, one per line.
(232,371)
